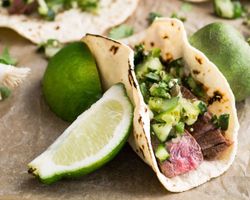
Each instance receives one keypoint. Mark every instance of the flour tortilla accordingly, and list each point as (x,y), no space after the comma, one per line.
(70,25)
(115,63)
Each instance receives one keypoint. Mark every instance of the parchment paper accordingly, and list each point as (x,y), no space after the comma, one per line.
(28,127)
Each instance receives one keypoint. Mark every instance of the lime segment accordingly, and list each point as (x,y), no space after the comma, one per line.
(93,139)
(77,144)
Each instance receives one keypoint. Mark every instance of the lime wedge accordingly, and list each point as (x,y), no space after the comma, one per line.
(93,139)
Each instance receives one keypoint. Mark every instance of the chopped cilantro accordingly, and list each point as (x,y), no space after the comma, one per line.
(5,57)
(50,47)
(4,93)
(202,107)
(139,54)
(175,15)
(121,31)
(89,5)
(222,121)
(152,16)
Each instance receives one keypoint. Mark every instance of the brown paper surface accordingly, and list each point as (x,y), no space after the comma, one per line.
(28,127)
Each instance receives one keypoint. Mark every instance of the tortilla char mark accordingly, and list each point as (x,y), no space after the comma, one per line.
(185,155)
(114,49)
(217,96)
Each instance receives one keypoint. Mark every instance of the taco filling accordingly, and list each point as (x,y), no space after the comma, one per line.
(183,131)
(48,9)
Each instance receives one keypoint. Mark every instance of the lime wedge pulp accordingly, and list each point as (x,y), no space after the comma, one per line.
(93,139)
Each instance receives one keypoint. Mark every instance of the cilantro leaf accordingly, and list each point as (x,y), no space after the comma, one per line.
(89,5)
(152,16)
(176,16)
(4,93)
(5,57)
(121,31)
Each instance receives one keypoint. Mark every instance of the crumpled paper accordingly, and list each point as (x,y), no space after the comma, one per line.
(28,127)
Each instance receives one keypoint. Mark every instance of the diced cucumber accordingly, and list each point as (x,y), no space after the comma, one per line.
(162,105)
(151,76)
(161,153)
(154,64)
(171,117)
(155,53)
(162,131)
(150,64)
(224,8)
(166,77)
(180,127)
(173,82)
(239,10)
(190,111)
(140,70)
(158,90)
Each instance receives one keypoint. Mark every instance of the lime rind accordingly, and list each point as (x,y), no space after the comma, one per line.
(48,172)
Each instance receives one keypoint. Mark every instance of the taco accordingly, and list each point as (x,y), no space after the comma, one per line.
(64,20)
(185,123)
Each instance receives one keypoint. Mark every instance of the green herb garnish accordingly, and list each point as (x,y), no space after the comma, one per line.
(202,107)
(89,5)
(4,93)
(121,31)
(176,16)
(152,16)
(50,47)
(5,57)
(139,54)
(195,87)
(223,121)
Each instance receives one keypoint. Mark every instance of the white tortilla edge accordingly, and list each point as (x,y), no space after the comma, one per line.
(70,25)
(117,66)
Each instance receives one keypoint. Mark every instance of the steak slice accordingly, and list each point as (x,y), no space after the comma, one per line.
(201,126)
(215,151)
(187,94)
(185,155)
(208,136)
(210,139)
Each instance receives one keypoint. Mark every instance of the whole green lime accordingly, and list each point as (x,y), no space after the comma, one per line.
(229,51)
(71,83)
